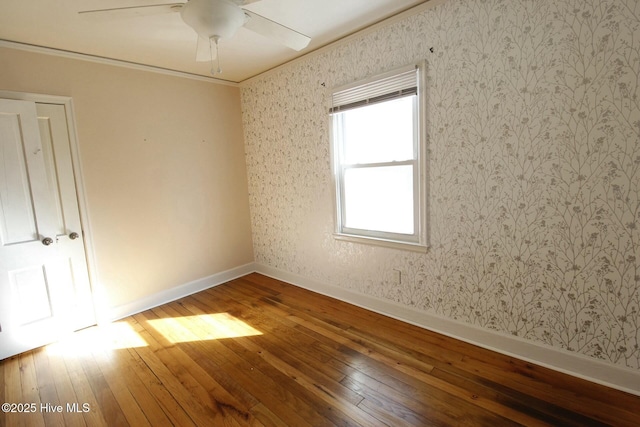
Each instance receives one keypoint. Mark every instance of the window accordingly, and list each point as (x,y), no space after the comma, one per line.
(379,160)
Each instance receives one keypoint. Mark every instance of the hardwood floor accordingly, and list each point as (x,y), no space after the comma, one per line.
(260,352)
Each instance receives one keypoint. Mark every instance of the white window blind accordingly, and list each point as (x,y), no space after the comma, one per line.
(395,86)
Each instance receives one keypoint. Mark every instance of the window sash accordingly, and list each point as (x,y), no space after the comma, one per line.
(344,122)
(413,237)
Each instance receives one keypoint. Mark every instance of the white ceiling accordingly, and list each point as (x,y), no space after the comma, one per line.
(165,41)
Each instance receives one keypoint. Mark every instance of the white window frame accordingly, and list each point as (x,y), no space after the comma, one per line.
(365,92)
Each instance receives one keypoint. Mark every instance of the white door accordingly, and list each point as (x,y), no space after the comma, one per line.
(44,283)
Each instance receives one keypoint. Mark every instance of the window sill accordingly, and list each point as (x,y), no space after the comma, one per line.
(393,244)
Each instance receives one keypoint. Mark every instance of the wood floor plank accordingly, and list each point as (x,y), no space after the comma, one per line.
(363,350)
(390,416)
(157,389)
(258,352)
(13,391)
(270,392)
(266,417)
(460,355)
(329,310)
(30,391)
(518,376)
(84,392)
(220,376)
(285,342)
(279,331)
(370,349)
(108,366)
(456,356)
(241,356)
(47,388)
(329,334)
(268,386)
(64,387)
(525,376)
(454,405)
(124,369)
(500,401)
(109,406)
(168,362)
(301,373)
(292,393)
(522,408)
(216,396)
(397,359)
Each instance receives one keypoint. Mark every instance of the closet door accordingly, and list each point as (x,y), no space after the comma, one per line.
(44,286)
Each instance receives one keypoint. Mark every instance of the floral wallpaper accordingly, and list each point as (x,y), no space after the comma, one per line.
(534,169)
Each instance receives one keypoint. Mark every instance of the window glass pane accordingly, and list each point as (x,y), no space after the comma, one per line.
(379,198)
(381,132)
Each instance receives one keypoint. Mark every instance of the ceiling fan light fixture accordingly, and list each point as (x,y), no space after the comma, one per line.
(220,18)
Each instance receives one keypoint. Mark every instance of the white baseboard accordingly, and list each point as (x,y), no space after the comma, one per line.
(178,292)
(618,377)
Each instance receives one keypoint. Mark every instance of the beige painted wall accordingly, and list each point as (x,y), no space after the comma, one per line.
(164,170)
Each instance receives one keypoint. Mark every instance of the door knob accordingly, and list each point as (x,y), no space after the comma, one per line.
(74,236)
(47,241)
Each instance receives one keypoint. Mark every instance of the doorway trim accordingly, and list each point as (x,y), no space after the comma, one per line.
(83,206)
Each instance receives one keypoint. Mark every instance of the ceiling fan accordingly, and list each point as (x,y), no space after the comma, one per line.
(212,20)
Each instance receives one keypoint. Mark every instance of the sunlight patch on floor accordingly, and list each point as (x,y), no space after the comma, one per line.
(112,336)
(202,327)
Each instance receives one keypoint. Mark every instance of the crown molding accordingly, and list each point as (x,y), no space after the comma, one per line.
(109,61)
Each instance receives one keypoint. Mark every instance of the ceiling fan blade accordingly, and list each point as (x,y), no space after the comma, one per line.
(275,31)
(131,11)
(204,51)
